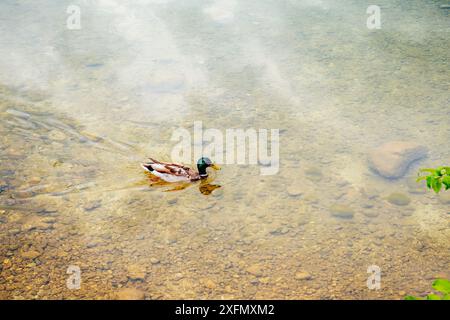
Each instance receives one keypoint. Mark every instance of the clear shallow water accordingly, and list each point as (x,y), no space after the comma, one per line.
(80,109)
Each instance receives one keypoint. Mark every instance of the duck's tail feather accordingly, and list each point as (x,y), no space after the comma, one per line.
(147,166)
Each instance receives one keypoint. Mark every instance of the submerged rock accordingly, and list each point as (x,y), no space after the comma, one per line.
(172,201)
(341,211)
(92,205)
(130,294)
(399,199)
(370,192)
(6,264)
(3,188)
(371,213)
(369,204)
(255,270)
(313,174)
(38,223)
(95,65)
(31,254)
(408,211)
(303,276)
(210,284)
(294,190)
(34,180)
(391,160)
(178,276)
(279,230)
(57,135)
(136,272)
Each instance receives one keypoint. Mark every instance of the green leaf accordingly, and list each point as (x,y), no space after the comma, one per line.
(446,182)
(421,178)
(436,178)
(442,285)
(436,184)
(433,297)
(428,170)
(447,169)
(429,181)
(412,298)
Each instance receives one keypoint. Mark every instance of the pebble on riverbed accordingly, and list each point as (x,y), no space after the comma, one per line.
(313,174)
(3,187)
(255,270)
(391,160)
(38,223)
(341,211)
(136,272)
(130,294)
(57,135)
(31,254)
(301,275)
(294,190)
(398,199)
(210,284)
(93,205)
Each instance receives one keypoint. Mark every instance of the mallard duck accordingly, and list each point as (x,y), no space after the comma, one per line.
(175,172)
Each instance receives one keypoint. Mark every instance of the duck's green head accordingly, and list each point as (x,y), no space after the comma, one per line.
(204,163)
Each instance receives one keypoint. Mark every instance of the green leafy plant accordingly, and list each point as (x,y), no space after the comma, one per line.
(436,178)
(440,285)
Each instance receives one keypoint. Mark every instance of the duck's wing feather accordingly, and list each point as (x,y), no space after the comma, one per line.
(169,168)
(170,164)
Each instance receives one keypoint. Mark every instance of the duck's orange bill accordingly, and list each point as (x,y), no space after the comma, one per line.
(215,166)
